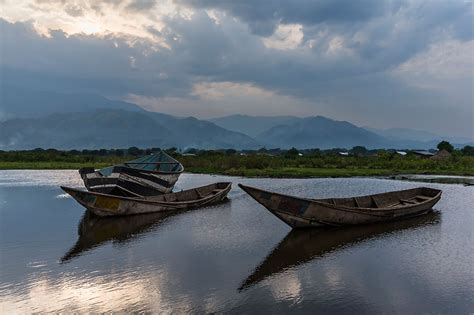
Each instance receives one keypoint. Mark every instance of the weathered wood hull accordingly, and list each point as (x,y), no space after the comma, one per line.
(113,205)
(303,212)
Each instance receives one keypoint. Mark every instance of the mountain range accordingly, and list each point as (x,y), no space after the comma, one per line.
(252,126)
(400,134)
(326,133)
(109,128)
(321,132)
(32,118)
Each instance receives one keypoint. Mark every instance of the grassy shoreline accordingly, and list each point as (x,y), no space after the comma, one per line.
(278,172)
(286,164)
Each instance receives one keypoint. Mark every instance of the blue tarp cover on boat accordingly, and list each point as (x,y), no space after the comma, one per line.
(152,159)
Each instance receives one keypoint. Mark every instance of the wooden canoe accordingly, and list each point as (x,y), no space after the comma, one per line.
(302,246)
(303,212)
(146,176)
(109,205)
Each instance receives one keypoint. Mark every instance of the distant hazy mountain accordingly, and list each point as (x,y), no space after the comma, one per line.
(252,125)
(108,128)
(405,134)
(32,118)
(117,129)
(20,102)
(321,132)
(196,133)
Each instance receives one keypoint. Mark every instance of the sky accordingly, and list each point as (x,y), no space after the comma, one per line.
(383,64)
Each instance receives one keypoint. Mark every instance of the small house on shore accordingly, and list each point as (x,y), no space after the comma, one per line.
(441,155)
(423,154)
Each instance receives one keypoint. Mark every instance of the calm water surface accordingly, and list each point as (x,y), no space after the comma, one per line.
(234,257)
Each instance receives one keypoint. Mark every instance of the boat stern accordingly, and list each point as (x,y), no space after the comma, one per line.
(86,170)
(82,197)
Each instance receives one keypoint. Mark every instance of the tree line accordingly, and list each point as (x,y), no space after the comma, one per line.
(98,155)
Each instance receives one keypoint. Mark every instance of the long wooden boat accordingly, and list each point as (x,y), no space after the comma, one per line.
(146,176)
(303,212)
(302,246)
(109,205)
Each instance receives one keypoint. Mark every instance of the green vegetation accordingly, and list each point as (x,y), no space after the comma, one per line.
(325,165)
(265,163)
(468,150)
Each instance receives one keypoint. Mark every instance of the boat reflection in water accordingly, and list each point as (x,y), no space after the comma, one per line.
(303,245)
(95,231)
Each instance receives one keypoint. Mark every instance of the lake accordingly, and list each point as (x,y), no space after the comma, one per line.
(234,257)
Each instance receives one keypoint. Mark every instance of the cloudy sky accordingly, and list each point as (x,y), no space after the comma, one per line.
(399,63)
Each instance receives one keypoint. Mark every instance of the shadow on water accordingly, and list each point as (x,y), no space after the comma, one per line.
(303,245)
(95,231)
(462,180)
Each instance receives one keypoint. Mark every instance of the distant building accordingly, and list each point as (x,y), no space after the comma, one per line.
(423,153)
(344,153)
(441,155)
(402,153)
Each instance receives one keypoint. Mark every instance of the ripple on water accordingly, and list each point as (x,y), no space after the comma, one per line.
(18,178)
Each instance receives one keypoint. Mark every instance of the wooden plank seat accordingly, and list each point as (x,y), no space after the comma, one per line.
(200,196)
(375,202)
(170,197)
(422,197)
(412,201)
(130,192)
(356,202)
(408,201)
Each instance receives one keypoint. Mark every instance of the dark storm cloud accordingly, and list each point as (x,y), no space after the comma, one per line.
(74,10)
(393,39)
(312,12)
(140,5)
(240,58)
(206,51)
(264,16)
(385,47)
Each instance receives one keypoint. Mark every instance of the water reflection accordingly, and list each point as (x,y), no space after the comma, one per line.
(95,231)
(303,245)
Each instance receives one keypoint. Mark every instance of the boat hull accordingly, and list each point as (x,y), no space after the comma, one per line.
(302,212)
(112,205)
